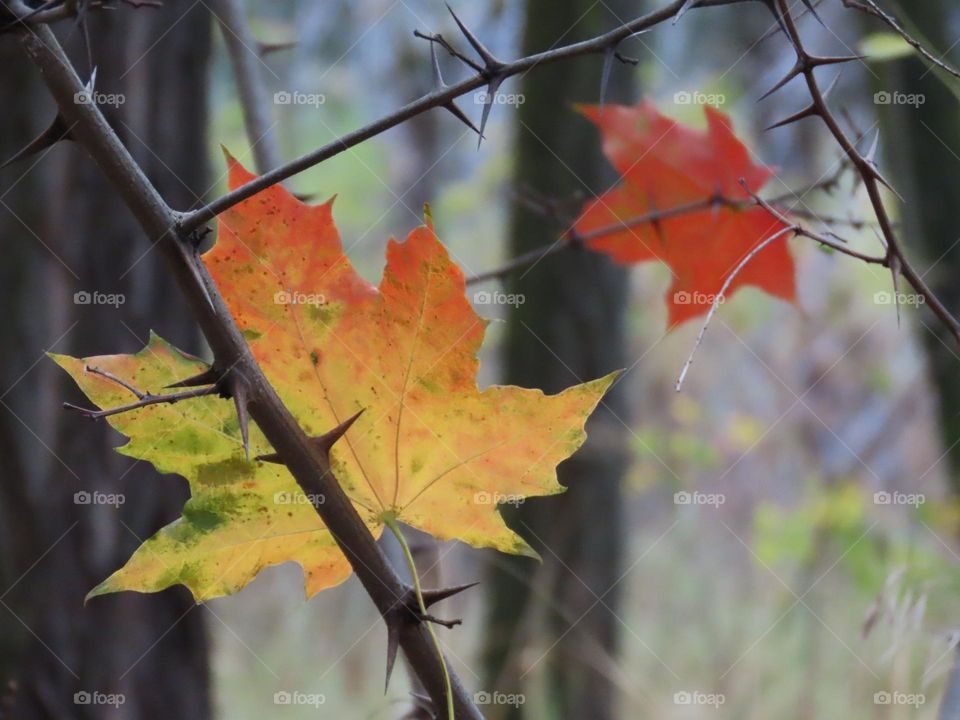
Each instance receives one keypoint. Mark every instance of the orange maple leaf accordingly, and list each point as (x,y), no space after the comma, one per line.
(664,165)
(431,449)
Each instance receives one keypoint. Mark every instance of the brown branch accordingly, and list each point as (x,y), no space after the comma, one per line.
(872,178)
(143,401)
(571,238)
(242,49)
(871,8)
(439,97)
(310,468)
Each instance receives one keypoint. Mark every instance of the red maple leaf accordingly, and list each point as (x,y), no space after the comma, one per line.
(665,165)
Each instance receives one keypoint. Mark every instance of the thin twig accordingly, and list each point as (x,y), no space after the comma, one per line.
(248,71)
(871,8)
(437,98)
(144,401)
(719,298)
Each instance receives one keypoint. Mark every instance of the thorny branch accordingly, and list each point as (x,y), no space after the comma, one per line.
(306,457)
(571,238)
(871,8)
(865,165)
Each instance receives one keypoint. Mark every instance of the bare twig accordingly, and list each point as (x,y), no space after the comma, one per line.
(143,401)
(871,8)
(439,97)
(721,295)
(310,468)
(867,169)
(248,68)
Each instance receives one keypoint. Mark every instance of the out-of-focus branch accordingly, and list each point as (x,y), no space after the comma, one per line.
(871,8)
(865,166)
(248,70)
(487,74)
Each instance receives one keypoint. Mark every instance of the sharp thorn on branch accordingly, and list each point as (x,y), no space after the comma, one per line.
(431,597)
(264,49)
(491,63)
(57,130)
(608,56)
(393,644)
(811,8)
(794,72)
(210,376)
(830,88)
(323,443)
(809,111)
(492,87)
(241,401)
(871,156)
(683,10)
(896,266)
(451,106)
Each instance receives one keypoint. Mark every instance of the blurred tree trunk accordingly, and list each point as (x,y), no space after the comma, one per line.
(65,231)
(923,161)
(569,329)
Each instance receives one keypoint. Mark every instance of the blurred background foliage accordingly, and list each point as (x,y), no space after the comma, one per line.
(801,595)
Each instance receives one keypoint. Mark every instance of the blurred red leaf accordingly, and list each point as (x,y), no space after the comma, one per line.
(665,164)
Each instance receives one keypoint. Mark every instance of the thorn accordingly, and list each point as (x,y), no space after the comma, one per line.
(813,11)
(264,49)
(809,111)
(431,597)
(491,62)
(830,88)
(393,644)
(56,132)
(241,400)
(815,61)
(451,106)
(895,268)
(608,56)
(435,63)
(683,10)
(886,183)
(424,703)
(492,87)
(329,439)
(871,156)
(794,72)
(772,6)
(322,443)
(210,376)
(490,71)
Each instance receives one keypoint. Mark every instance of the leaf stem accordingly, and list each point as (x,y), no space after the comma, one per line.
(391,522)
